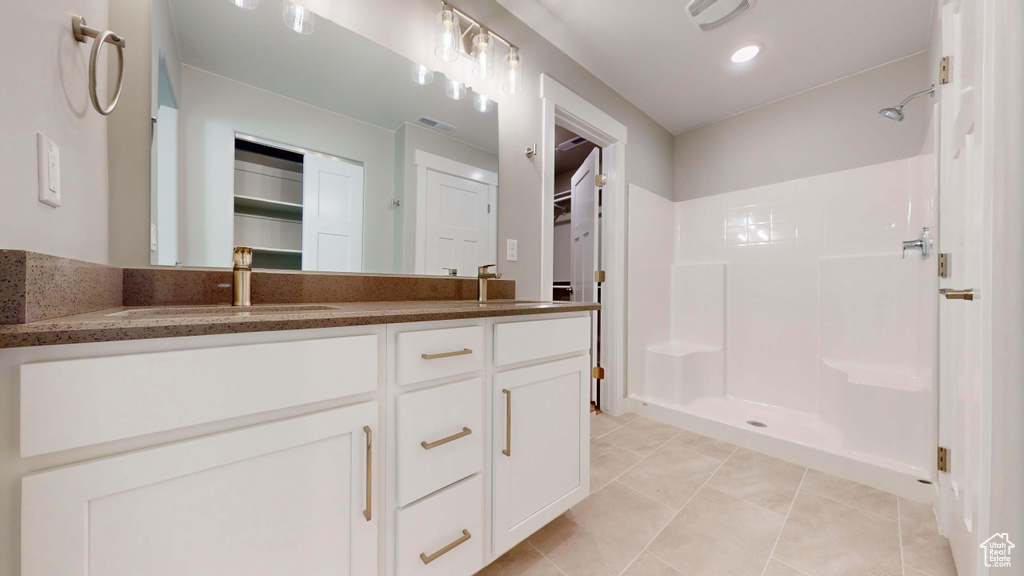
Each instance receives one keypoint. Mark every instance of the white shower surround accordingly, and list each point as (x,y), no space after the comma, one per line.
(790,304)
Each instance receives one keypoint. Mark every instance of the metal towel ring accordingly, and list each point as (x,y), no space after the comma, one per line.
(81,31)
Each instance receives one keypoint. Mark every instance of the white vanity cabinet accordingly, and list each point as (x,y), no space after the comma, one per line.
(419,449)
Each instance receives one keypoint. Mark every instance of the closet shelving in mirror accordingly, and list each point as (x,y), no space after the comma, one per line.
(268,203)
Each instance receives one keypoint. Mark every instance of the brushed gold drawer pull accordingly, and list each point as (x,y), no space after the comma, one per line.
(431,445)
(462,352)
(462,539)
(368,514)
(508,423)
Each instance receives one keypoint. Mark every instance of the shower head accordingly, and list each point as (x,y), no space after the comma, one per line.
(897,112)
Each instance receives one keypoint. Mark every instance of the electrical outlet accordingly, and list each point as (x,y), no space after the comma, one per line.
(512,250)
(48,159)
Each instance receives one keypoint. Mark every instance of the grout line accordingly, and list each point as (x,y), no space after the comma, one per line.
(646,548)
(542,555)
(899,529)
(876,515)
(785,519)
(802,573)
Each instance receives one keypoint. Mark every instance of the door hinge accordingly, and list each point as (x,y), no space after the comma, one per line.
(944,70)
(598,275)
(488,208)
(943,460)
(598,373)
(600,180)
(943,265)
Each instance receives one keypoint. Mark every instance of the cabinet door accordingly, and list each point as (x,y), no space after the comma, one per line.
(290,497)
(541,447)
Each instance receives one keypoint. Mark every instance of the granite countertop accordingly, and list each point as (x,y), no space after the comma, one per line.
(139,323)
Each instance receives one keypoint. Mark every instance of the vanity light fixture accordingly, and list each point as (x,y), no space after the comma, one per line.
(298,17)
(483,55)
(455,90)
(449,35)
(246,4)
(422,75)
(745,54)
(482,103)
(514,81)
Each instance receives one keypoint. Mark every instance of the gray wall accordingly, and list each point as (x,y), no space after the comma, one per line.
(830,128)
(45,89)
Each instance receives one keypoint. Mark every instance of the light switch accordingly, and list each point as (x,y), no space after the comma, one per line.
(48,159)
(152,236)
(512,250)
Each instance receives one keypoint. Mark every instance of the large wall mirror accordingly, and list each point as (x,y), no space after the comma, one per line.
(313,145)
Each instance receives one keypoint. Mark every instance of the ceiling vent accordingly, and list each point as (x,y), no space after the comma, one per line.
(435,125)
(708,14)
(570,144)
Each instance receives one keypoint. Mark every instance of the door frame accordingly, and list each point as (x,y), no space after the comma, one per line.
(564,107)
(426,161)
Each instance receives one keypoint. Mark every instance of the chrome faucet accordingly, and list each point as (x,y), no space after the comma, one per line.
(452,271)
(483,276)
(924,244)
(242,276)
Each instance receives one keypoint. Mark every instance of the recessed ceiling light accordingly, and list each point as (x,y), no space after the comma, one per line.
(745,54)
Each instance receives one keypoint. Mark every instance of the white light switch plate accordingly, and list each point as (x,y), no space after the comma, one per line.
(48,158)
(512,250)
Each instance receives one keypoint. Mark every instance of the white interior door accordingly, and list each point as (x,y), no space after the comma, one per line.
(584,229)
(961,322)
(332,214)
(457,225)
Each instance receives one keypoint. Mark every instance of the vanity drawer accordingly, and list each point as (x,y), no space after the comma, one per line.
(429,354)
(428,530)
(525,341)
(440,437)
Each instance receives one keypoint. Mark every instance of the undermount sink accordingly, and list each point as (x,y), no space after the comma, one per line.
(220,310)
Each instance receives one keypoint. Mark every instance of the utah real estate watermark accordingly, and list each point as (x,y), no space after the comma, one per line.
(997,550)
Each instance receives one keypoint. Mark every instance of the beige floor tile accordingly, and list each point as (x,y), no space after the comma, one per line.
(923,547)
(716,534)
(599,425)
(648,565)
(523,560)
(641,436)
(671,474)
(603,534)
(762,480)
(607,462)
(852,493)
(776,568)
(706,446)
(908,571)
(823,537)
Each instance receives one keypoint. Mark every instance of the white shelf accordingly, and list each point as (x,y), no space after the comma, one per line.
(265,204)
(276,250)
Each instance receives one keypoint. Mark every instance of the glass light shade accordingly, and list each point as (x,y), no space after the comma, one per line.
(422,75)
(247,4)
(483,55)
(514,81)
(449,35)
(298,17)
(481,103)
(455,90)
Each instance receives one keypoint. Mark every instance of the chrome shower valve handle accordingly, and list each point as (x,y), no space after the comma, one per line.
(924,244)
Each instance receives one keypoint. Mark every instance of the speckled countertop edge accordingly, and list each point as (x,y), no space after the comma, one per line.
(101,326)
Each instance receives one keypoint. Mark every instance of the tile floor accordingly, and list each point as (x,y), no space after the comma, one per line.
(668,502)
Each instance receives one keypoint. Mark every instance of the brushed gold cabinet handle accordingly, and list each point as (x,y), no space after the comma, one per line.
(462,352)
(462,540)
(431,445)
(508,423)
(369,473)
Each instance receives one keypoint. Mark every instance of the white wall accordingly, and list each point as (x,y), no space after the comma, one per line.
(408,139)
(830,128)
(45,89)
(214,108)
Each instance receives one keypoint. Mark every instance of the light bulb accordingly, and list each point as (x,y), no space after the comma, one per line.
(449,35)
(482,103)
(515,72)
(483,55)
(455,90)
(247,4)
(298,17)
(422,75)
(745,54)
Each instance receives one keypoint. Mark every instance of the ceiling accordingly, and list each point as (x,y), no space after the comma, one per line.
(652,54)
(333,68)
(572,158)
